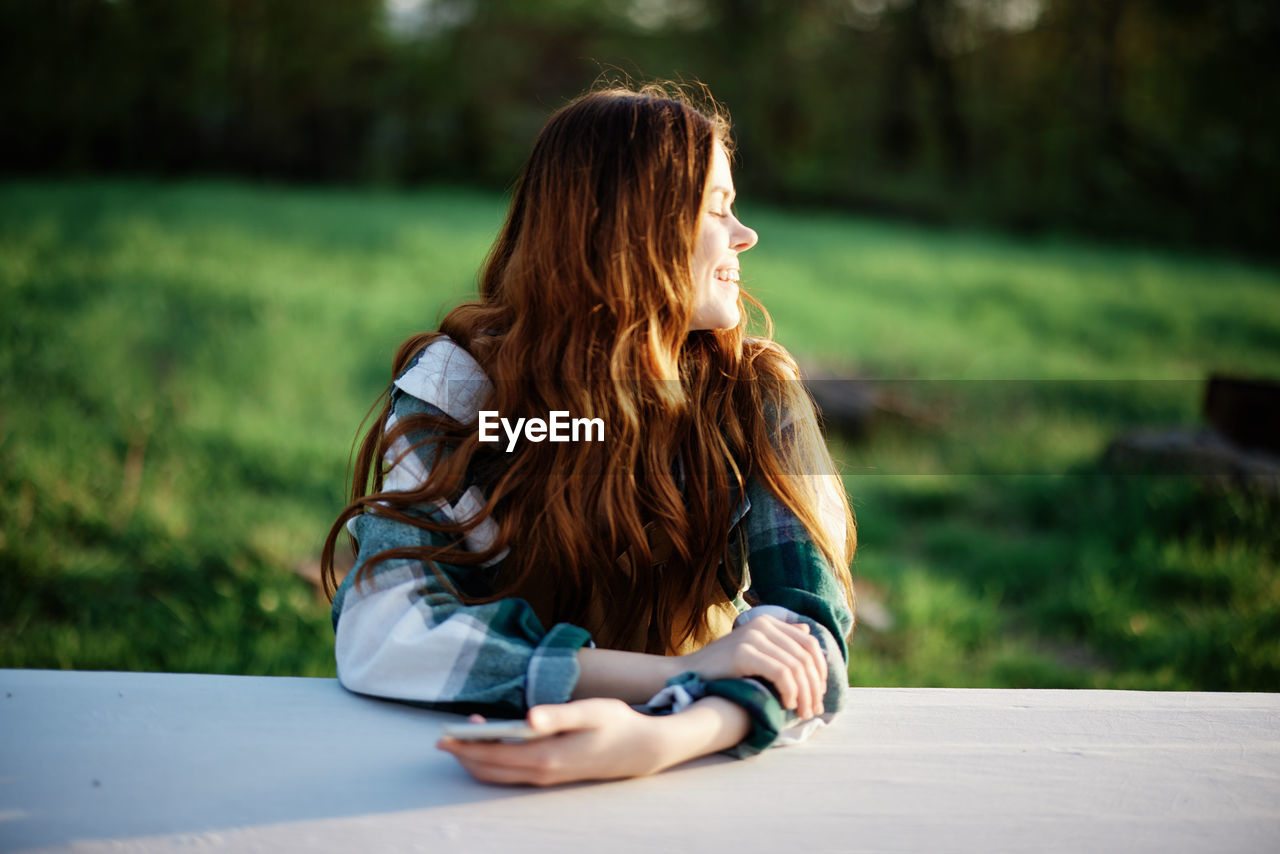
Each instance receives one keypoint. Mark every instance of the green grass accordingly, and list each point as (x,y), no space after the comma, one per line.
(183,367)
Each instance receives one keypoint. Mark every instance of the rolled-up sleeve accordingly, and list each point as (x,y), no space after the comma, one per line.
(401,634)
(792,581)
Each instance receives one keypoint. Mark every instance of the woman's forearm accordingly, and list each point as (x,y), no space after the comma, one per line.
(786,654)
(633,677)
(710,725)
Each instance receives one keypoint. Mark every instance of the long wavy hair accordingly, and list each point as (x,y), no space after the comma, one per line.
(585,305)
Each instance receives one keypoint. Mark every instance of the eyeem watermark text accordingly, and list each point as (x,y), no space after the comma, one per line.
(558,427)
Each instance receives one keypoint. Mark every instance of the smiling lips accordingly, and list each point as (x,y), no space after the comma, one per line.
(727,274)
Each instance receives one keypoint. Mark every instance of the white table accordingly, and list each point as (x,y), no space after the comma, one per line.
(146,762)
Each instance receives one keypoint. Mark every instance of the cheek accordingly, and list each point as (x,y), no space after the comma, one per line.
(704,256)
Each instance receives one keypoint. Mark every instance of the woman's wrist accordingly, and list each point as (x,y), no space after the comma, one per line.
(708,726)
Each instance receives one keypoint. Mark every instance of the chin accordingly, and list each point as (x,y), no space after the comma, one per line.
(725,319)
(717,318)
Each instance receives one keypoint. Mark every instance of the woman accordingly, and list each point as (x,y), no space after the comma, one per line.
(675,581)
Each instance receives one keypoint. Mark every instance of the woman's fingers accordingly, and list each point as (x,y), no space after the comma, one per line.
(487,772)
(814,647)
(807,696)
(807,652)
(810,652)
(556,721)
(586,740)
(776,667)
(801,634)
(530,756)
(787,654)
(505,773)
(793,645)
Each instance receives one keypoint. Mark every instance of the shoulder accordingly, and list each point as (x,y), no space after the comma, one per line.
(446,376)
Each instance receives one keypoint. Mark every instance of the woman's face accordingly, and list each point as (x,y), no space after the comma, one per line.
(719,241)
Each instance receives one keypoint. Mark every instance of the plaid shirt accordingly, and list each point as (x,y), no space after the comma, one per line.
(402,635)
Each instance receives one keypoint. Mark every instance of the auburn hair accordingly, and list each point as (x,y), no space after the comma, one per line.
(585,304)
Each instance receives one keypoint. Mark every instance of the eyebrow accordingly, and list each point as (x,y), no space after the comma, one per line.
(718,188)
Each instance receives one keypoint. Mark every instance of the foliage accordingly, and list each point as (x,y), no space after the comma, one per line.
(1138,118)
(183,365)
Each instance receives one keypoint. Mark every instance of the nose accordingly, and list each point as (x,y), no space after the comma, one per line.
(743,238)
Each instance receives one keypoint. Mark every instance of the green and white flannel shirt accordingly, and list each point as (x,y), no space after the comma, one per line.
(401,635)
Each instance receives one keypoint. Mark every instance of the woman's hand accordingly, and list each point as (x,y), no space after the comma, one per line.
(784,653)
(601,739)
(597,739)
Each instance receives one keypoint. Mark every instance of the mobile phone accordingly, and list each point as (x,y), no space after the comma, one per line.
(511,732)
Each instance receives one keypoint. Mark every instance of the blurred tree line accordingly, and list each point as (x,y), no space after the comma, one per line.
(1157,119)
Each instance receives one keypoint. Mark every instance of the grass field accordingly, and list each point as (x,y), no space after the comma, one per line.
(183,368)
